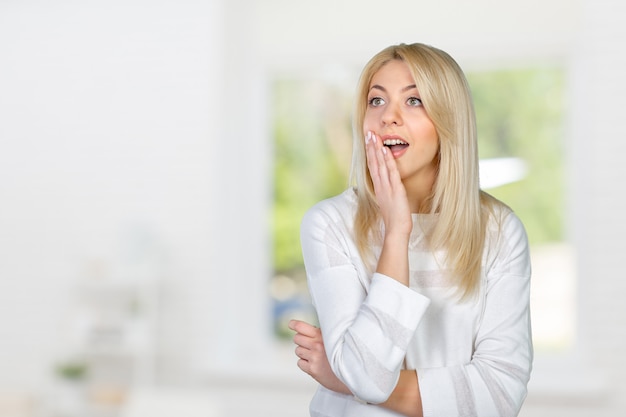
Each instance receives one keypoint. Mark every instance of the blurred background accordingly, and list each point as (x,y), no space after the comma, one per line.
(156,158)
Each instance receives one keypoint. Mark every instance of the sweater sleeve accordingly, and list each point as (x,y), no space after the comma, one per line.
(366,330)
(494,383)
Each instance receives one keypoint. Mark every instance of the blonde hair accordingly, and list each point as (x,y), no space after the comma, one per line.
(456,196)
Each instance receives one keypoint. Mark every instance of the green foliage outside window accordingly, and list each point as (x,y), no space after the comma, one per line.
(519,114)
(312,155)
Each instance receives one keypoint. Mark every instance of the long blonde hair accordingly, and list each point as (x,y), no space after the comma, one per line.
(456,196)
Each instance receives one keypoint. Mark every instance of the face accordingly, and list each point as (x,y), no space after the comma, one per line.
(396,115)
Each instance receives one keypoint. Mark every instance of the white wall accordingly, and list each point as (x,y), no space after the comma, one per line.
(127,121)
(109,124)
(300,35)
(597,174)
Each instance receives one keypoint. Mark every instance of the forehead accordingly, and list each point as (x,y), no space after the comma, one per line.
(394,72)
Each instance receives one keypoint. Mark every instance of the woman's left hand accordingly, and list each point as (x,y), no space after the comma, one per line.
(313,360)
(391,195)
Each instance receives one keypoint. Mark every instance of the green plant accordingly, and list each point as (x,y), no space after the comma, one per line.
(72,370)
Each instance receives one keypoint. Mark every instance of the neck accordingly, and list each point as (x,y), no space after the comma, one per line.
(418,191)
(419,204)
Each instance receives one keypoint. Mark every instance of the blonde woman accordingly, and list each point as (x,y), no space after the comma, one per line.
(420,280)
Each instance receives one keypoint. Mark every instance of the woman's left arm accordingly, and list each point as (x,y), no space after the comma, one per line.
(494,382)
(405,398)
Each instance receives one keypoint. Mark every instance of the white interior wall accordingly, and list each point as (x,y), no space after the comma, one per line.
(597,173)
(108,128)
(300,35)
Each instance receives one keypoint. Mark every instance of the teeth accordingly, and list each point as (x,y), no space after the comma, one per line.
(390,142)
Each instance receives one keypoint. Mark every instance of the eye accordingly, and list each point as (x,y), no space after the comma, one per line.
(376,101)
(414,102)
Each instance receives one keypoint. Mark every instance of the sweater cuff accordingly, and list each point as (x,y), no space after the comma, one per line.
(397,300)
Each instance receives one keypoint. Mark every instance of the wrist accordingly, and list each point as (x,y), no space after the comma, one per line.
(396,240)
(394,260)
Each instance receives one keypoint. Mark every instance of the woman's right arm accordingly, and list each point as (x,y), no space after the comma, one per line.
(366,330)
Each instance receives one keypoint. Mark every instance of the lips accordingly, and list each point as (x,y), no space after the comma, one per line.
(396,145)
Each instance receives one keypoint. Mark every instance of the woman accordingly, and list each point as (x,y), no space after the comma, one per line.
(420,280)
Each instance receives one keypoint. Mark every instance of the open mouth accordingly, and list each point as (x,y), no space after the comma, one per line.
(395,145)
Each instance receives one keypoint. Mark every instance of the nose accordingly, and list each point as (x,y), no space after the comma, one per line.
(391,115)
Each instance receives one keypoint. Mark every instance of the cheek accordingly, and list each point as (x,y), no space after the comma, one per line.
(367,126)
(369,122)
(428,139)
(431,133)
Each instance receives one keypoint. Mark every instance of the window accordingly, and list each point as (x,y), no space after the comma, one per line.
(312,134)
(520,125)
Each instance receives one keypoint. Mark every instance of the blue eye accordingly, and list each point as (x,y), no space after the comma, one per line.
(414,101)
(376,101)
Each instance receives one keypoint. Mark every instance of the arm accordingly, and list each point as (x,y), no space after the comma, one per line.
(494,382)
(367,322)
(405,398)
(394,209)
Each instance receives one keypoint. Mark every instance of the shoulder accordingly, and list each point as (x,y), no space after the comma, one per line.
(337,209)
(505,238)
(329,223)
(500,218)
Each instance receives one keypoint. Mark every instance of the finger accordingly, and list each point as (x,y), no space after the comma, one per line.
(376,163)
(392,173)
(381,154)
(370,153)
(303,328)
(310,339)
(303,353)
(305,341)
(305,366)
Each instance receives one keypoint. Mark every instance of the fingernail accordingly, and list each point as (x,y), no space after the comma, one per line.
(368,136)
(384,150)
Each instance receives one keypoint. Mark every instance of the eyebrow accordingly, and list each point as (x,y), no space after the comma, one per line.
(384,90)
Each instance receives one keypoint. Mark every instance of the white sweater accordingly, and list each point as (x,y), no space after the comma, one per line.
(472,358)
